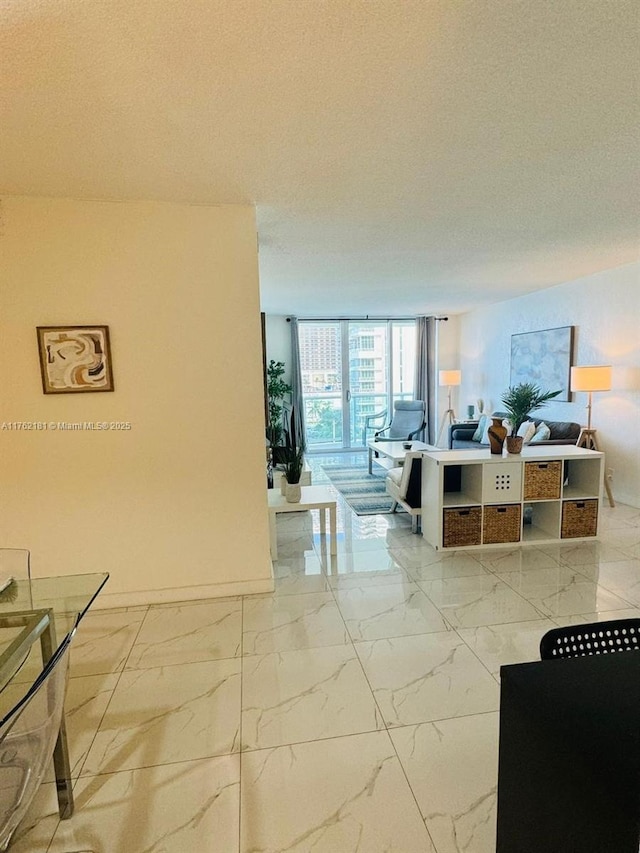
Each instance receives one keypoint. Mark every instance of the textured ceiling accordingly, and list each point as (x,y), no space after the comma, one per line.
(404,156)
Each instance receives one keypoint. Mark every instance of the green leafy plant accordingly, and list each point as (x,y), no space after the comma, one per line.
(520,400)
(294,450)
(277,391)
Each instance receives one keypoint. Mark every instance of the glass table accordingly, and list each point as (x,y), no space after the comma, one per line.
(43,609)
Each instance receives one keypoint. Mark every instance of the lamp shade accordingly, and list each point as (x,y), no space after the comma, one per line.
(450,377)
(596,377)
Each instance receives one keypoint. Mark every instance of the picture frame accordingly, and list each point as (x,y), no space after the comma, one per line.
(544,357)
(75,359)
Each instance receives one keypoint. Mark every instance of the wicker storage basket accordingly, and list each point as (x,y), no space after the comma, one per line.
(542,480)
(579,518)
(501,524)
(462,527)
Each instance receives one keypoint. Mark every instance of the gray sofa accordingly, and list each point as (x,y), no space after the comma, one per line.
(562,432)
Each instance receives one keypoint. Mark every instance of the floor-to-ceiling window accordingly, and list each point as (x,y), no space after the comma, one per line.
(352,370)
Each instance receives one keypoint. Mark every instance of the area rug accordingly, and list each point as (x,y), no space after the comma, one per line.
(365,493)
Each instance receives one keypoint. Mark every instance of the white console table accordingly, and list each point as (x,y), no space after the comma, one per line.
(473,499)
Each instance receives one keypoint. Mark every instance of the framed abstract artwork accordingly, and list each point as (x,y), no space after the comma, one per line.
(543,358)
(75,359)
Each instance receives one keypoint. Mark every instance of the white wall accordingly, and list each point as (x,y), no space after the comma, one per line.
(605,311)
(175,507)
(278,341)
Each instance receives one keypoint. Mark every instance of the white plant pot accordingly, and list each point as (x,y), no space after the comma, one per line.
(293,493)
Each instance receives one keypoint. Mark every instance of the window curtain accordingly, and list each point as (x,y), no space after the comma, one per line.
(296,381)
(425,372)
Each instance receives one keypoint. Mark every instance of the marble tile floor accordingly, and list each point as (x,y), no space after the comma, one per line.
(354,709)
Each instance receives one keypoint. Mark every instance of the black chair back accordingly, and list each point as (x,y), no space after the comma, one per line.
(594,638)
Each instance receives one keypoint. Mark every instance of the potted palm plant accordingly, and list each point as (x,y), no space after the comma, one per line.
(293,458)
(519,401)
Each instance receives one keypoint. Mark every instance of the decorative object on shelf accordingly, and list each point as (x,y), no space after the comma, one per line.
(277,391)
(470,412)
(544,358)
(514,444)
(448,378)
(75,359)
(294,459)
(497,434)
(519,401)
(479,406)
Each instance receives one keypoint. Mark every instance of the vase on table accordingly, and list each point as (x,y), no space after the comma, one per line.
(497,434)
(293,493)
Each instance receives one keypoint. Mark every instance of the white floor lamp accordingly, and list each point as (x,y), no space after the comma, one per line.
(449,378)
(595,377)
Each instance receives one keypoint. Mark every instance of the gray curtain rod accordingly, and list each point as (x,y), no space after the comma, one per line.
(366,318)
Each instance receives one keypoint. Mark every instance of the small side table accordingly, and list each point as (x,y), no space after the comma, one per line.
(313,497)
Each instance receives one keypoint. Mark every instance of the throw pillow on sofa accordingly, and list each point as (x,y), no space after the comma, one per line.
(485,432)
(481,429)
(542,433)
(527,431)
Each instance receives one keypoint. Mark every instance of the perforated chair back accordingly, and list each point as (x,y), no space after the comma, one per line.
(28,734)
(595,638)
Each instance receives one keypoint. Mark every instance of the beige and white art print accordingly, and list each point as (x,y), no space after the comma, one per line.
(75,359)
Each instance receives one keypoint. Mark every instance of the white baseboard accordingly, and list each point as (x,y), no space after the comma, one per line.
(107,600)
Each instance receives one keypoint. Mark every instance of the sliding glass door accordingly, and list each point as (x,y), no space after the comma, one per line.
(353,370)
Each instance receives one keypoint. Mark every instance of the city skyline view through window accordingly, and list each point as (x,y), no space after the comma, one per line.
(351,371)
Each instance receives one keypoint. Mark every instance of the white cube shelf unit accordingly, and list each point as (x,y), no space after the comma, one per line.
(473,499)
